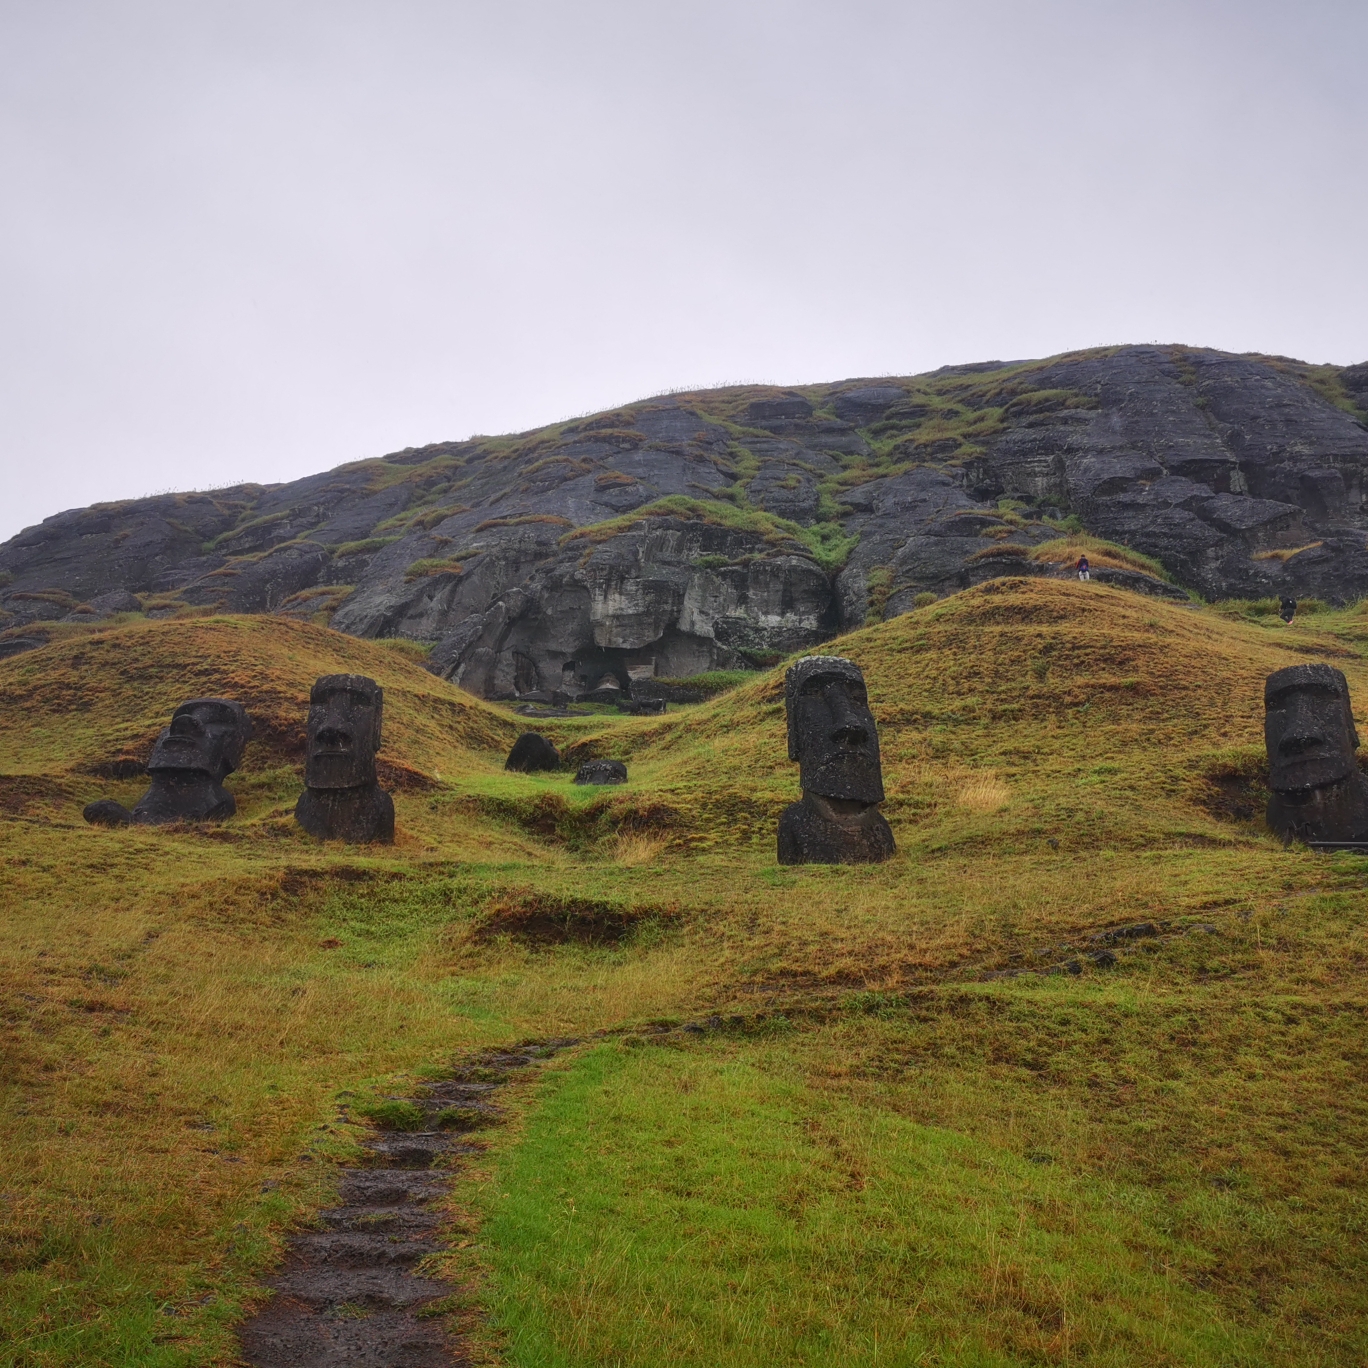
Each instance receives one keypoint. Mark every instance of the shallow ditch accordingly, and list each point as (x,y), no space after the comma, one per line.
(353,1292)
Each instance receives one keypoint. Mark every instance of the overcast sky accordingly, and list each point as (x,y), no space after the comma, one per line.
(253,240)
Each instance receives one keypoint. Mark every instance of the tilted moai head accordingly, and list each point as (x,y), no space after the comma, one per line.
(1308,728)
(190,760)
(831,732)
(206,735)
(344,732)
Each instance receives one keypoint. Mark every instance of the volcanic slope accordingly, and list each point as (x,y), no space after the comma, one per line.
(1076,1076)
(726,528)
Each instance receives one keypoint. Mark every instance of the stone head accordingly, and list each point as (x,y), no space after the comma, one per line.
(206,735)
(344,732)
(1308,728)
(831,732)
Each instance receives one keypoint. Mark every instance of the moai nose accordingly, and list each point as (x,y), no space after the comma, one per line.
(849,729)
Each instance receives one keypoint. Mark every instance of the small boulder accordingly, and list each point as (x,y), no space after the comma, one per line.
(531,753)
(106,812)
(601,772)
(607,690)
(114,601)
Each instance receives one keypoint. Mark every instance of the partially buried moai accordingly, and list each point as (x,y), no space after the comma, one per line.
(190,760)
(343,800)
(831,733)
(1318,793)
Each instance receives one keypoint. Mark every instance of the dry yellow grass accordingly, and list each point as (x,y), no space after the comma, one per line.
(984,793)
(81,703)
(636,848)
(1285,553)
(1067,550)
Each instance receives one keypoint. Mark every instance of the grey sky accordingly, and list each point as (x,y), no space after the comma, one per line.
(252,240)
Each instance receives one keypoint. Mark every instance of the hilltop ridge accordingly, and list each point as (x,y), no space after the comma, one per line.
(726,528)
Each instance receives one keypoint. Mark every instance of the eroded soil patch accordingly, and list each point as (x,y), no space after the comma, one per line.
(533,918)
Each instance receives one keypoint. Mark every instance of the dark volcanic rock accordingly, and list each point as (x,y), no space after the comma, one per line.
(106,812)
(532,752)
(642,707)
(601,772)
(542,563)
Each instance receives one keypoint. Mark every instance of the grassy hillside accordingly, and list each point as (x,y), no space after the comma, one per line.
(936,1111)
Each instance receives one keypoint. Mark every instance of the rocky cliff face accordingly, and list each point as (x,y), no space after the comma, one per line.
(729,527)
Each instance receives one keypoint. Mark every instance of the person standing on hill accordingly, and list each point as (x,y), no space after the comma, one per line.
(1082,567)
(1287,609)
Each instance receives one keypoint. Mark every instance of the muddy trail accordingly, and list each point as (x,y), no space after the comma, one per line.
(351,1292)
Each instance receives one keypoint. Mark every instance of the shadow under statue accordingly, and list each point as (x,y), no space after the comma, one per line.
(191,758)
(831,733)
(344,800)
(1318,793)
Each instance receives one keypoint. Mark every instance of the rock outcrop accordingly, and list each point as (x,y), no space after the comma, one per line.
(727,528)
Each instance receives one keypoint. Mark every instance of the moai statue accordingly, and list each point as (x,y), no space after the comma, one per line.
(831,733)
(1318,792)
(191,759)
(343,800)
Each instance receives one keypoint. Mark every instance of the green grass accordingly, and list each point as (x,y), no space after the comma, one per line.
(948,1180)
(711,683)
(364,547)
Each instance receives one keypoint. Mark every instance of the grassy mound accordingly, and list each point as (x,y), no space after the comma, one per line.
(1074,1077)
(80,705)
(1015,712)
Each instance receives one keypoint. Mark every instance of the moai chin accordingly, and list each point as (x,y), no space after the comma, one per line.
(191,758)
(343,800)
(1318,793)
(832,736)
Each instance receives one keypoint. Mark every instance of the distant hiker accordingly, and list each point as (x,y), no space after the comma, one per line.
(1082,567)
(1287,609)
